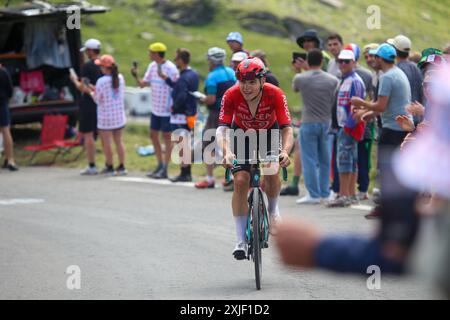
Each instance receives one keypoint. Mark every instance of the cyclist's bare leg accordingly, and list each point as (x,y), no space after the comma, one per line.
(239,203)
(239,200)
(272,188)
(272,183)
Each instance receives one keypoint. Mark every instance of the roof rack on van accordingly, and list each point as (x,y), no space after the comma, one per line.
(41,8)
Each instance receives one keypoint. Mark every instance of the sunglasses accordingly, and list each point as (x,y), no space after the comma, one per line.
(344,61)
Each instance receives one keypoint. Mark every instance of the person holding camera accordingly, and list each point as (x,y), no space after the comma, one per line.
(318,90)
(161,103)
(90,73)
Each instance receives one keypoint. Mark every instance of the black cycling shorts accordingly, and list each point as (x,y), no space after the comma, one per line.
(245,145)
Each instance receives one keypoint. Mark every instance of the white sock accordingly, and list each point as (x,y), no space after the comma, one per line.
(241,227)
(210,179)
(273,206)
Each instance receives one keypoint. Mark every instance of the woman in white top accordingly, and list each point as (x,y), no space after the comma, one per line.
(109,96)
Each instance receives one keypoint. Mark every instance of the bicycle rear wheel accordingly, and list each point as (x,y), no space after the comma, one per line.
(256,230)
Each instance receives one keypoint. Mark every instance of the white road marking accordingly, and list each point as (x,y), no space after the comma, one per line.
(12,202)
(153,181)
(362,207)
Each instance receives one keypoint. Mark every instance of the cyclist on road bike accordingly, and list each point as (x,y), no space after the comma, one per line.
(253,104)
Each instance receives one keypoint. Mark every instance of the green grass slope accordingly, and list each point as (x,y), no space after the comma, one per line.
(426,23)
(121,29)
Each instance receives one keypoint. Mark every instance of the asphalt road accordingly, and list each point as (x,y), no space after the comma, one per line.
(133,239)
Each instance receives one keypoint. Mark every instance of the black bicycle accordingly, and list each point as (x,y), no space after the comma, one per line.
(258,222)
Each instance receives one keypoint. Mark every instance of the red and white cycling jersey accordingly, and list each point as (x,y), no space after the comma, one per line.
(272,108)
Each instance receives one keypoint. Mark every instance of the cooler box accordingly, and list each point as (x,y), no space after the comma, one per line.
(138,101)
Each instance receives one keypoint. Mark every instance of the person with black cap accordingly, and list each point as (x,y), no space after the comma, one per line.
(307,41)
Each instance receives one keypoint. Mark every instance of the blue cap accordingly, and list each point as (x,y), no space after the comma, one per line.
(235,36)
(385,51)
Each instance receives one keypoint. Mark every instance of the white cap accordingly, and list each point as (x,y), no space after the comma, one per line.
(401,43)
(346,55)
(93,44)
(216,55)
(239,56)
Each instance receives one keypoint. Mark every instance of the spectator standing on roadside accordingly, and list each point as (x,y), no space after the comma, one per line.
(350,131)
(90,73)
(235,42)
(161,104)
(308,41)
(335,45)
(184,107)
(402,45)
(109,95)
(394,94)
(219,80)
(365,145)
(6,91)
(318,91)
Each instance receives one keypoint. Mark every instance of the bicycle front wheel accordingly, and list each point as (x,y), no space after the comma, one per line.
(256,230)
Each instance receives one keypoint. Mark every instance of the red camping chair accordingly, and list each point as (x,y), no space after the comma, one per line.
(53,129)
(68,145)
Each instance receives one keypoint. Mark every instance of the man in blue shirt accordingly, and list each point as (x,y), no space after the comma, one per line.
(394,94)
(184,107)
(219,80)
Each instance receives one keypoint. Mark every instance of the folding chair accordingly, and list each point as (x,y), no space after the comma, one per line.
(67,145)
(53,129)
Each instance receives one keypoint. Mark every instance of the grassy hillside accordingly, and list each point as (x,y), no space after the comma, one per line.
(121,28)
(128,29)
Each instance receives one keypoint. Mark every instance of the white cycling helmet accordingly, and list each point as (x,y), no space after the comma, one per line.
(216,55)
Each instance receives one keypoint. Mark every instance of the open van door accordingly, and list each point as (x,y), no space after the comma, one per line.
(38,47)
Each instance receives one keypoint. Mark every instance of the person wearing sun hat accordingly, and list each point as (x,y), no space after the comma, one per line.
(109,94)
(308,41)
(161,103)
